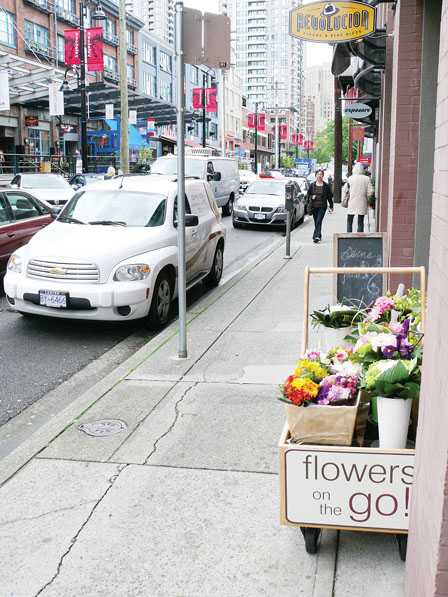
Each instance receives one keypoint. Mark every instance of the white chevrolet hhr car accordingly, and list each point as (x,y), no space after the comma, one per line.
(112,252)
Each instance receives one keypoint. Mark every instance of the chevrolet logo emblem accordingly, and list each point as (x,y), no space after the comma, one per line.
(58,271)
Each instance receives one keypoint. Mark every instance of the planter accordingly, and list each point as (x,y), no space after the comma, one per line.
(316,424)
(333,338)
(393,421)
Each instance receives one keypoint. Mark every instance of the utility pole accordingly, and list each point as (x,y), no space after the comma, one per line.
(337,141)
(256,137)
(204,85)
(277,136)
(223,112)
(84,148)
(124,110)
(350,147)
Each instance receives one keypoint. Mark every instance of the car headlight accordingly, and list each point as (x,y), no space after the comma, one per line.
(240,207)
(281,209)
(15,264)
(132,272)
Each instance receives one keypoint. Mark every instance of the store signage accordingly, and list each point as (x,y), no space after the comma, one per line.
(72,41)
(132,117)
(357,110)
(4,90)
(31,121)
(349,489)
(150,127)
(55,99)
(109,111)
(332,22)
(95,59)
(358,134)
(365,159)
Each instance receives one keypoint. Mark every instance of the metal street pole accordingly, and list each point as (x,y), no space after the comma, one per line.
(337,141)
(204,84)
(256,137)
(124,111)
(84,147)
(223,113)
(182,280)
(350,147)
(277,149)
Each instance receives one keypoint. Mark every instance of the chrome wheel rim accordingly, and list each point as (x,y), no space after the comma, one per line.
(163,300)
(218,264)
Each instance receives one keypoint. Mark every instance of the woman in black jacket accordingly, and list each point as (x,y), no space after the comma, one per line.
(320,195)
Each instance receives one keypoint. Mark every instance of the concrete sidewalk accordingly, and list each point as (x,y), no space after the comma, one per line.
(185,500)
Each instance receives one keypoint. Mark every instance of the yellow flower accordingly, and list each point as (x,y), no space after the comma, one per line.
(306,385)
(317,371)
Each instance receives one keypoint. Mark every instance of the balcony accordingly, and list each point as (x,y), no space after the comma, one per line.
(43,5)
(67,16)
(132,83)
(111,39)
(36,48)
(109,74)
(131,49)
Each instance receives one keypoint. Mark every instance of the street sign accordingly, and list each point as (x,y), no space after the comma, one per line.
(357,110)
(358,134)
(365,160)
(216,41)
(192,35)
(150,127)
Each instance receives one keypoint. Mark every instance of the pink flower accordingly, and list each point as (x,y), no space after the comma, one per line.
(313,356)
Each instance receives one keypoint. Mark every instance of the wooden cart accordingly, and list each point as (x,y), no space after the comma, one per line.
(352,488)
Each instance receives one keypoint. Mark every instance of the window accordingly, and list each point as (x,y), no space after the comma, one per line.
(149,84)
(194,74)
(61,48)
(88,19)
(149,53)
(166,90)
(5,218)
(129,37)
(39,142)
(37,35)
(165,62)
(110,63)
(7,36)
(109,27)
(131,73)
(68,5)
(22,206)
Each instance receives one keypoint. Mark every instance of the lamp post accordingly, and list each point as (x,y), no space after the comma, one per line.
(256,138)
(204,84)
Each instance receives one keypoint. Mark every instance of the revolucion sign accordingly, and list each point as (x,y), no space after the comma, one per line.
(334,22)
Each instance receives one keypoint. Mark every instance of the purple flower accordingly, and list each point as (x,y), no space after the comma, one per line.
(388,351)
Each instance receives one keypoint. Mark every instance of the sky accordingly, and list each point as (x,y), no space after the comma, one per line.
(315,53)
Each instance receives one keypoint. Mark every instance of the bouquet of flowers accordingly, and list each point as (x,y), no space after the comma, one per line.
(337,316)
(338,390)
(393,379)
(407,306)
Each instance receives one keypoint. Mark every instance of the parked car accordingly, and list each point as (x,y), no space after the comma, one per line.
(51,189)
(112,252)
(221,173)
(246,177)
(264,203)
(21,216)
(271,174)
(79,180)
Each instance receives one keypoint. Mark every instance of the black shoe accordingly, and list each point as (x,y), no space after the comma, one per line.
(316,240)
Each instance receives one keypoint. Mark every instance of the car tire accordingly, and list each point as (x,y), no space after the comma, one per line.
(159,312)
(227,209)
(213,278)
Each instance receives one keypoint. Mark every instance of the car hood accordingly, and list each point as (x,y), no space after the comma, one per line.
(60,195)
(262,200)
(103,245)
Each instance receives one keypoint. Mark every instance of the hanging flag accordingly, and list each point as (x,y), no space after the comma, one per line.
(197,98)
(294,139)
(305,145)
(95,59)
(72,41)
(283,131)
(261,122)
(251,121)
(210,95)
(300,139)
(311,145)
(109,111)
(56,99)
(4,91)
(150,127)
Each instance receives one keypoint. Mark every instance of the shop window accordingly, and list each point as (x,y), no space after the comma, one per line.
(149,53)
(7,36)
(149,84)
(36,34)
(39,142)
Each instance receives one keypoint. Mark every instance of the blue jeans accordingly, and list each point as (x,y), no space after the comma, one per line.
(350,219)
(318,216)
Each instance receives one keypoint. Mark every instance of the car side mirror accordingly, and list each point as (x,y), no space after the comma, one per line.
(217,176)
(75,187)
(54,212)
(190,220)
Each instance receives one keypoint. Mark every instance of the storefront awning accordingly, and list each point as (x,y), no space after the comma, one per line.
(136,141)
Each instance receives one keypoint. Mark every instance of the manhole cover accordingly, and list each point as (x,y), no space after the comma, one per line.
(103,427)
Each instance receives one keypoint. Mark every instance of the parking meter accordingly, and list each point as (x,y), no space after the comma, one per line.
(289,196)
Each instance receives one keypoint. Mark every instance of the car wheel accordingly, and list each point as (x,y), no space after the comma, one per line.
(214,277)
(159,312)
(227,209)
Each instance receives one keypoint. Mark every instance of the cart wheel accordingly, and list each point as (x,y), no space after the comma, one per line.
(312,538)
(402,541)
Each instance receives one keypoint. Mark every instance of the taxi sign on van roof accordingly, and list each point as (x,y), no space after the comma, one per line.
(332,22)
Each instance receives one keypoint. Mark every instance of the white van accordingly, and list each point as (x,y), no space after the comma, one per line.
(221,174)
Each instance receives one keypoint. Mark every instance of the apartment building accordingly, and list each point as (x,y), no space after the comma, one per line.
(158,16)
(319,94)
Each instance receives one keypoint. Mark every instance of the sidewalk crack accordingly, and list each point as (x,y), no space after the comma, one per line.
(171,427)
(112,480)
(43,514)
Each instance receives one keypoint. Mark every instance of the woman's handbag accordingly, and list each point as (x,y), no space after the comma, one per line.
(310,207)
(346,197)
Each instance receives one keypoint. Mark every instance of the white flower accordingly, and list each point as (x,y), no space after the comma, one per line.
(382,340)
(337,308)
(347,368)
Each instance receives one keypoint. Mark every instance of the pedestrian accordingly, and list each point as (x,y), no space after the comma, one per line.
(359,188)
(321,196)
(110,173)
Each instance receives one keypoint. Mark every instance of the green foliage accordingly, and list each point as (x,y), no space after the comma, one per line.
(286,161)
(344,316)
(324,143)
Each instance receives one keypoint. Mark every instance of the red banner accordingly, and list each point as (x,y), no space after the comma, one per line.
(261,122)
(210,96)
(95,59)
(72,40)
(300,139)
(283,131)
(251,121)
(294,139)
(197,98)
(311,145)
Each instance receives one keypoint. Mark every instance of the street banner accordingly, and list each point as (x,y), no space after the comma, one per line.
(261,122)
(294,139)
(132,117)
(4,91)
(72,41)
(197,98)
(150,122)
(358,134)
(210,96)
(95,59)
(56,99)
(283,131)
(300,139)
(305,145)
(311,145)
(109,111)
(251,121)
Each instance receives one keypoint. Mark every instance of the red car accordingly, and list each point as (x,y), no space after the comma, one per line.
(271,174)
(21,216)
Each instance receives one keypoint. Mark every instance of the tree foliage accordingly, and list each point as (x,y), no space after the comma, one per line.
(324,143)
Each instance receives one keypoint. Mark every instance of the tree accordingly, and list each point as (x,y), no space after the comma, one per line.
(324,143)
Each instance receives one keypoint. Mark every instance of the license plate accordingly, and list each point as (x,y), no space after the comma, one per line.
(53,298)
(259,216)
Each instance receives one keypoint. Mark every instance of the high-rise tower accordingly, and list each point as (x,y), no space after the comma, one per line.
(158,16)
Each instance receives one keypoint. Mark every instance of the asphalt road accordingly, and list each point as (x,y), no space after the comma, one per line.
(38,354)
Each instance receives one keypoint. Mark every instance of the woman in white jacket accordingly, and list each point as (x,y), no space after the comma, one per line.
(360,188)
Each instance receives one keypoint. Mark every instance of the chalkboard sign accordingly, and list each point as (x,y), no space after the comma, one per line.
(360,250)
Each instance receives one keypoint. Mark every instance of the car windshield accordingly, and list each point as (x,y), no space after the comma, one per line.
(266,188)
(38,181)
(169,166)
(118,207)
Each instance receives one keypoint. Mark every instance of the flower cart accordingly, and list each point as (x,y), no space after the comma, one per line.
(330,475)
